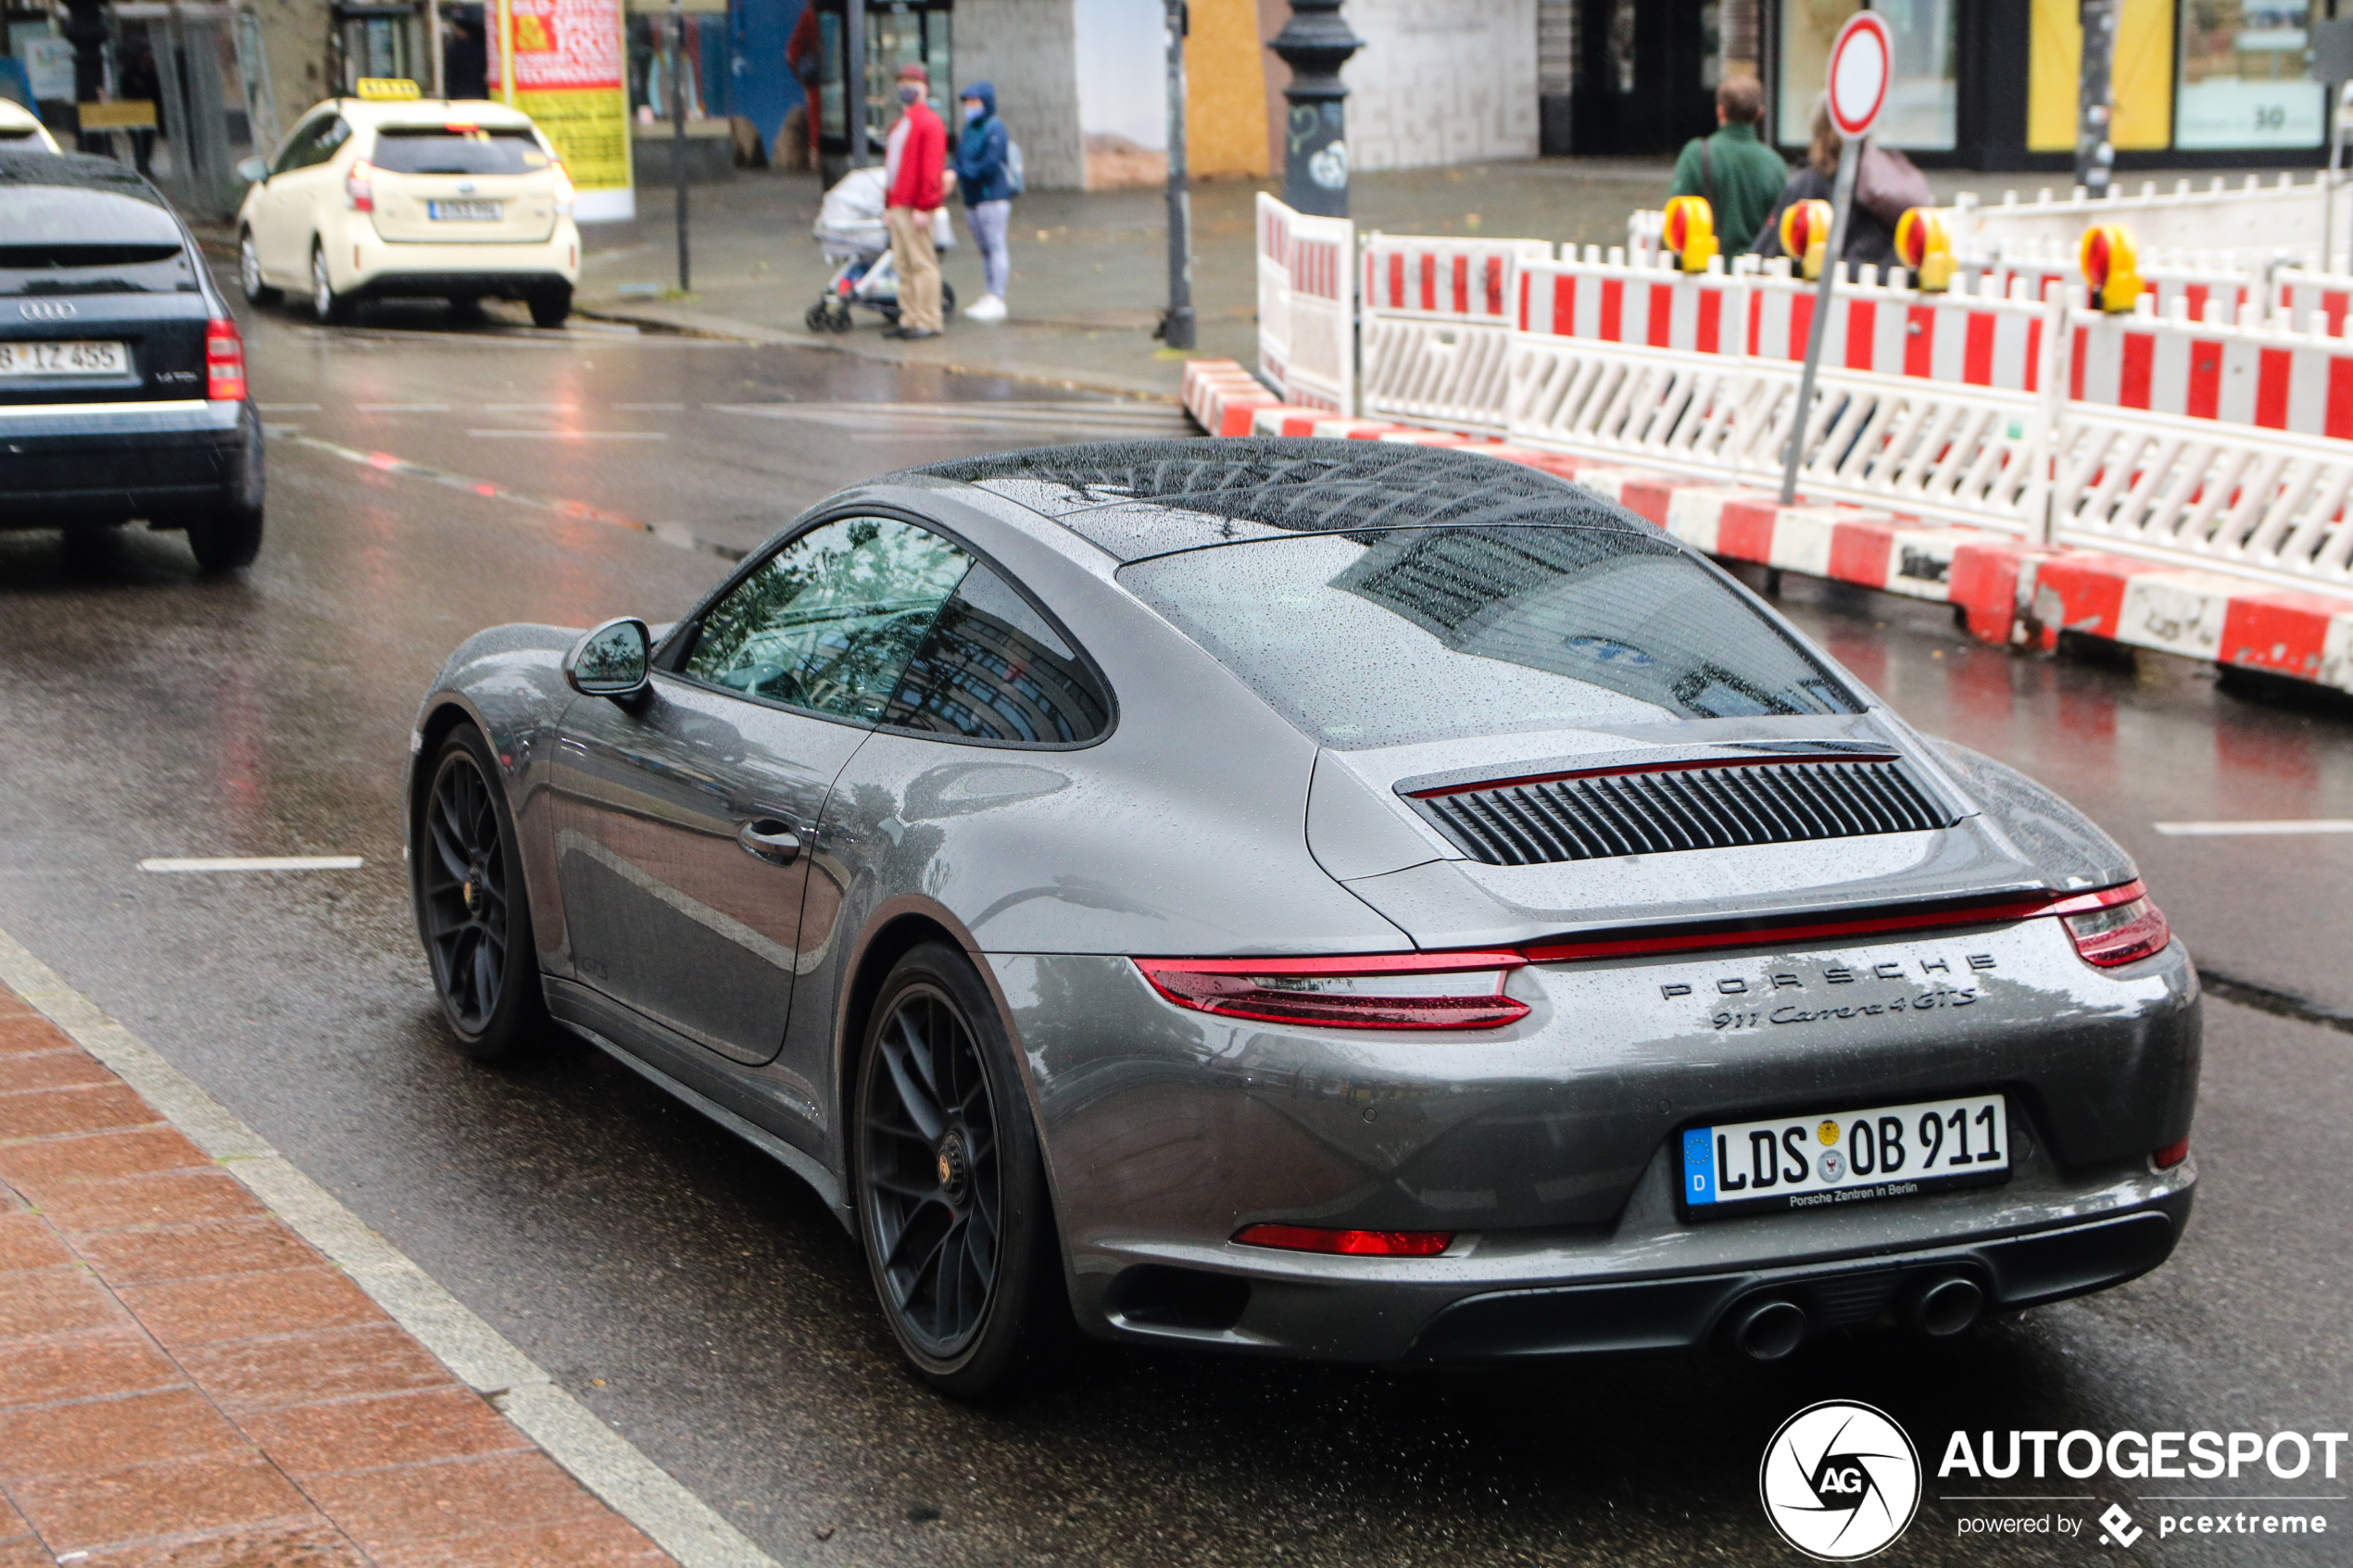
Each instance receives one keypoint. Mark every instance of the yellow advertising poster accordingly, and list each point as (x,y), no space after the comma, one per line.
(2143,79)
(567,63)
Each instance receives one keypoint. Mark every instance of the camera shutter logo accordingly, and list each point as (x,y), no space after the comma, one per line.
(1840,1481)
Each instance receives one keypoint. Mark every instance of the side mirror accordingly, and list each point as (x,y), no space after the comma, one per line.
(252,170)
(610,660)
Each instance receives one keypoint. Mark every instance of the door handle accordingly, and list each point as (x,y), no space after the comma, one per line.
(766,838)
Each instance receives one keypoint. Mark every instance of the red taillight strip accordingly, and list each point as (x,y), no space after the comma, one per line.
(1355,963)
(1673,941)
(1763,760)
(1219,985)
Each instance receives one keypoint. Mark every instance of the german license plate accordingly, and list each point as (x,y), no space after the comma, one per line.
(465,212)
(63,359)
(1821,1161)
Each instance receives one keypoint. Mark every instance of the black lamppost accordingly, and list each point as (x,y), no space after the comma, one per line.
(85,29)
(1315,43)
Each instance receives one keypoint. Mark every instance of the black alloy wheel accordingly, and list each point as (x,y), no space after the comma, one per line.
(471,906)
(951,1198)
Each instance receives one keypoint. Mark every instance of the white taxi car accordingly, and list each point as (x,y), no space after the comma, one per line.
(21,131)
(390,196)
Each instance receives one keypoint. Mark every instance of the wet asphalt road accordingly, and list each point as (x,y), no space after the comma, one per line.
(428,479)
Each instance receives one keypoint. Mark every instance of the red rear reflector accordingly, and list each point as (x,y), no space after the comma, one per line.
(224,362)
(2172,1154)
(1355,1244)
(2121,927)
(1387,991)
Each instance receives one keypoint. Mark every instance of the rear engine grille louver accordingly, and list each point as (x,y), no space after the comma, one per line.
(1650,813)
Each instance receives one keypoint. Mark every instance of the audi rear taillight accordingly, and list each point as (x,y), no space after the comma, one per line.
(359,187)
(1391,991)
(2117,926)
(1353,1244)
(224,362)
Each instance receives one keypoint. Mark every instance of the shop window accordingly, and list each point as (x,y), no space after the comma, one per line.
(2242,77)
(1922,100)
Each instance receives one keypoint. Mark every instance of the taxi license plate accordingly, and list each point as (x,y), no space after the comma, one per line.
(81,359)
(1835,1158)
(465,212)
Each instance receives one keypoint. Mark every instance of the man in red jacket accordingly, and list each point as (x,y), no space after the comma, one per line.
(918,155)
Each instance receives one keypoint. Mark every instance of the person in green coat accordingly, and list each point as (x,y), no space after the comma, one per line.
(1741,177)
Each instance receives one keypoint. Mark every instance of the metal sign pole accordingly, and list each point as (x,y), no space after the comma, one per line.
(678,135)
(854,81)
(1842,199)
(1860,66)
(1176,326)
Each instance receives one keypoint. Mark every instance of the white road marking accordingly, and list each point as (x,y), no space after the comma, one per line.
(402,408)
(288,407)
(605,1462)
(572,435)
(256,863)
(651,407)
(531,408)
(2220,829)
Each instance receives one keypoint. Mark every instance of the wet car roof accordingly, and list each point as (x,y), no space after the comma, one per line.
(78,170)
(1143,498)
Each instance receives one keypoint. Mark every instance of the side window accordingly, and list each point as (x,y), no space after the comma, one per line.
(296,153)
(829,621)
(993,670)
(330,138)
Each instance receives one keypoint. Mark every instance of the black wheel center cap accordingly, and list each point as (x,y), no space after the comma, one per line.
(955,1166)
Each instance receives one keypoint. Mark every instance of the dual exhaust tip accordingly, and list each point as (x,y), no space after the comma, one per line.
(1767,1328)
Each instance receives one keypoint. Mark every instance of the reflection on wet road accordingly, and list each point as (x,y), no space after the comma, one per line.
(700,1300)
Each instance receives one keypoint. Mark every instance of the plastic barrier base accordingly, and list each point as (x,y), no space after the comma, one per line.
(2010,594)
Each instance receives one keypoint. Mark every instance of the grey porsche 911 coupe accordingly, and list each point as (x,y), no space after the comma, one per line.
(1316,899)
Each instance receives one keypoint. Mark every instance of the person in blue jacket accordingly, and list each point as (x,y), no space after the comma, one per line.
(983,174)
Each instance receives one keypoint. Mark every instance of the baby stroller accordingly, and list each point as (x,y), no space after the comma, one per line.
(850,230)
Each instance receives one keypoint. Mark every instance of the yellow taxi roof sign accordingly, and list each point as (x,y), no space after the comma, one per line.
(378,89)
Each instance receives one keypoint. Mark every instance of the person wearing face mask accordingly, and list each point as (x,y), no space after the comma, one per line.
(915,164)
(985,176)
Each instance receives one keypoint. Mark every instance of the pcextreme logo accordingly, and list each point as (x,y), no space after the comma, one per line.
(1840,1481)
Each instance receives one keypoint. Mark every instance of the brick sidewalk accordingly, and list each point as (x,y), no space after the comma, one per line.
(184,1381)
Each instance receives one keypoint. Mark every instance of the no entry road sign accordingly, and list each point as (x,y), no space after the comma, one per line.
(1860,63)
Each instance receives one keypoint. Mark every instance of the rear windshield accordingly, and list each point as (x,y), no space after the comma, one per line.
(1420,634)
(58,239)
(448,149)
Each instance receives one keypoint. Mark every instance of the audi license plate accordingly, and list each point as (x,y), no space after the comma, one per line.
(1822,1160)
(63,359)
(465,212)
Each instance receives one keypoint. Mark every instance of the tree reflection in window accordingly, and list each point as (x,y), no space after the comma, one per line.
(832,619)
(993,670)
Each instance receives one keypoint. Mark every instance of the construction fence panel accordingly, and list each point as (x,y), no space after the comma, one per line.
(1307,306)
(1274,288)
(1924,449)
(2256,219)
(2262,505)
(1438,316)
